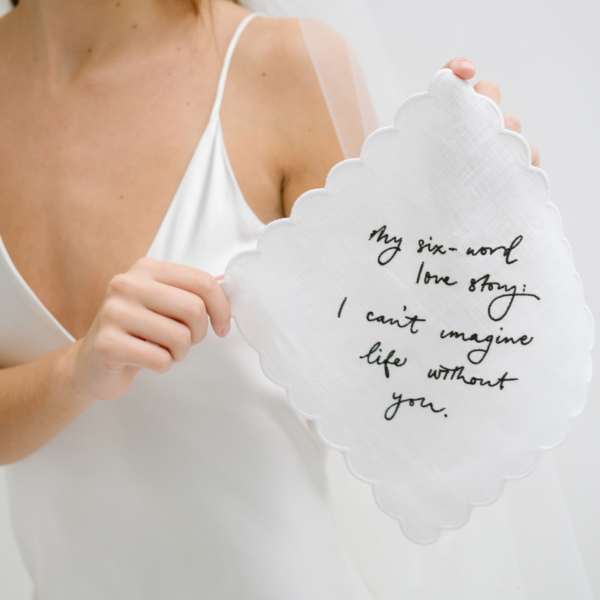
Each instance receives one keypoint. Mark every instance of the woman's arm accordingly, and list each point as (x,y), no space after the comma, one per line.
(149,319)
(37,400)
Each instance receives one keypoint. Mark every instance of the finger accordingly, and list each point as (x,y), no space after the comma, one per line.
(462,67)
(535,155)
(149,326)
(489,89)
(125,350)
(177,304)
(512,123)
(197,282)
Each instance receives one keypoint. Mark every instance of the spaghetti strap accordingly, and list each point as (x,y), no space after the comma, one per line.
(227,61)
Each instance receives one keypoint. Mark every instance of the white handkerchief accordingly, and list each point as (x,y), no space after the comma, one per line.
(424,310)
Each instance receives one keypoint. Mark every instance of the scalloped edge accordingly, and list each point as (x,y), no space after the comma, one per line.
(289,221)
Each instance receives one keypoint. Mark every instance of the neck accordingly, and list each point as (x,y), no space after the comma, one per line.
(63,37)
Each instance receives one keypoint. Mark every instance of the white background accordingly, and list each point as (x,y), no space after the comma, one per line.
(544,55)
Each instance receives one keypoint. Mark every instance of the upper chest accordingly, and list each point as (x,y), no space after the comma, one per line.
(87,177)
(117,146)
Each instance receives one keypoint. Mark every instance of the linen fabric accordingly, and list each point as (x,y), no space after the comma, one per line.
(424,310)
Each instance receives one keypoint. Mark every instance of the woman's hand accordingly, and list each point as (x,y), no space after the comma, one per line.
(465,69)
(149,319)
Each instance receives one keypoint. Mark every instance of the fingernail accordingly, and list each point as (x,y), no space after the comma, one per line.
(467,64)
(225,330)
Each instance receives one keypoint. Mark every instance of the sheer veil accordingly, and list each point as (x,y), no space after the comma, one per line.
(524,545)
(521,547)
(347,53)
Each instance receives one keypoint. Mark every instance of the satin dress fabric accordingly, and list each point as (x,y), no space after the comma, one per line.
(198,484)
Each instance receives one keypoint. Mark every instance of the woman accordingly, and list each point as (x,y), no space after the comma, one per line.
(197,481)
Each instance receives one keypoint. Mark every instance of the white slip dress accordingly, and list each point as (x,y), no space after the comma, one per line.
(198,484)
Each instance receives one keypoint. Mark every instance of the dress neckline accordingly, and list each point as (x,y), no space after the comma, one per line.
(213,122)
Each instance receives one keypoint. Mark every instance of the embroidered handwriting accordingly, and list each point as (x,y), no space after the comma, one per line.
(389,253)
(408,321)
(433,248)
(392,409)
(506,250)
(456,374)
(476,356)
(498,308)
(374,357)
(435,278)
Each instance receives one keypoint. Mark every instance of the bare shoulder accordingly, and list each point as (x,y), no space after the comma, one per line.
(278,44)
(276,51)
(283,111)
